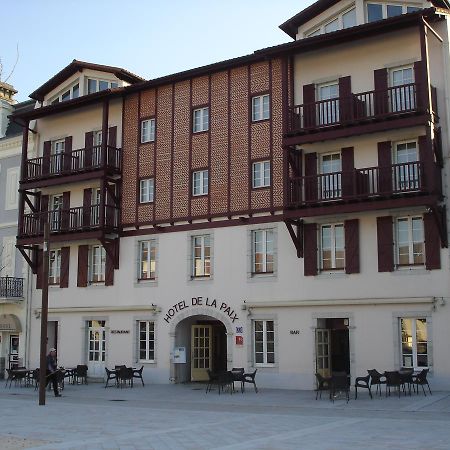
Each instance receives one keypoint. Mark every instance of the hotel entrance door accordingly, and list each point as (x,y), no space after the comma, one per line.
(201,346)
(96,348)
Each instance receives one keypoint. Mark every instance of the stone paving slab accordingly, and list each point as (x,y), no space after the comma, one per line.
(185,417)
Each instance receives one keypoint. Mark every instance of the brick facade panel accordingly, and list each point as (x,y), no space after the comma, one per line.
(259,76)
(148,103)
(146,157)
(200,91)
(145,213)
(200,150)
(260,139)
(199,206)
(260,198)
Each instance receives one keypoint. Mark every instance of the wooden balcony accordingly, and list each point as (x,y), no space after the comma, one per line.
(346,116)
(73,163)
(11,288)
(366,184)
(71,223)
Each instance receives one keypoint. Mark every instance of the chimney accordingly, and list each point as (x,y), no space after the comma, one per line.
(6,105)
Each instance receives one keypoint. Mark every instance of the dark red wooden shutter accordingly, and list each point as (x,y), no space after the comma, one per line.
(310,177)
(112,144)
(44,216)
(109,264)
(87,202)
(380,78)
(426,157)
(83,253)
(65,214)
(420,80)
(88,144)
(310,249)
(385,167)
(39,265)
(309,106)
(64,276)
(432,242)
(112,136)
(351,228)
(67,164)
(46,157)
(345,99)
(385,237)
(348,166)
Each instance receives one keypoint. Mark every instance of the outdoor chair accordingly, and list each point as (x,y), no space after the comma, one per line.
(249,378)
(340,383)
(19,377)
(10,377)
(60,375)
(124,377)
(36,378)
(110,375)
(81,374)
(225,380)
(377,379)
(137,373)
(421,380)
(362,382)
(406,379)
(323,384)
(393,380)
(213,378)
(238,375)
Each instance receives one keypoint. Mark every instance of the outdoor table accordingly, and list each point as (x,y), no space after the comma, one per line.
(21,374)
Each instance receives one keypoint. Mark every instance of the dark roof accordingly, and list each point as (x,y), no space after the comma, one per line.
(13,128)
(78,66)
(291,25)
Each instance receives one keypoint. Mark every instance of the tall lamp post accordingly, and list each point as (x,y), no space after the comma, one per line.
(44,316)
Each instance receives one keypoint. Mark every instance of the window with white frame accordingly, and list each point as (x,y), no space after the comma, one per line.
(346,19)
(379,11)
(200,182)
(328,96)
(68,94)
(54,266)
(55,211)
(147,260)
(262,251)
(147,130)
(332,247)
(406,172)
(414,342)
(260,107)
(402,92)
(146,341)
(261,174)
(56,158)
(330,182)
(97,259)
(200,119)
(12,188)
(96,85)
(201,256)
(410,246)
(146,190)
(264,342)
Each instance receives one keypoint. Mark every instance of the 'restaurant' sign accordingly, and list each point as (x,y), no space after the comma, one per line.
(201,301)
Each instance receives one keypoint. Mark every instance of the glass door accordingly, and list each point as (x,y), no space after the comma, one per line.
(96,347)
(97,150)
(56,164)
(95,206)
(331,168)
(402,96)
(323,353)
(407,168)
(55,212)
(201,349)
(328,104)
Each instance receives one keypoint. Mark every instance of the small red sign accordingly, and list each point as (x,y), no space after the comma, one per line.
(239,340)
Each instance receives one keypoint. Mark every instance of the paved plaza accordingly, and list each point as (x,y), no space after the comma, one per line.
(184,417)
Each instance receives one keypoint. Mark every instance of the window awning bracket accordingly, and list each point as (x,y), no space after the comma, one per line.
(296,234)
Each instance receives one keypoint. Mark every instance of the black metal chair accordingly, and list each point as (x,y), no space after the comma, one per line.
(10,377)
(249,378)
(137,373)
(322,384)
(36,373)
(393,380)
(213,379)
(81,374)
(110,375)
(362,382)
(421,380)
(238,376)
(340,383)
(124,377)
(406,379)
(377,379)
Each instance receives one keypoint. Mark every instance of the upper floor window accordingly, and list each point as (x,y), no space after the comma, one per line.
(346,19)
(260,107)
(402,96)
(147,130)
(414,342)
(12,188)
(200,182)
(332,247)
(95,85)
(201,256)
(261,174)
(54,267)
(146,190)
(56,205)
(147,260)
(410,246)
(72,92)
(379,11)
(406,170)
(328,96)
(146,340)
(330,182)
(97,259)
(262,251)
(200,120)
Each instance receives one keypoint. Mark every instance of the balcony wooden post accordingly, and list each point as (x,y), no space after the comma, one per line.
(105,132)
(426,88)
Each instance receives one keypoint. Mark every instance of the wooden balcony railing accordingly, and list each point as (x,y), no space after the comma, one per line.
(365,106)
(77,161)
(361,184)
(11,287)
(73,220)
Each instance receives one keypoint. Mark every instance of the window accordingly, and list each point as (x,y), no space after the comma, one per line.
(94,85)
(97,258)
(402,97)
(346,19)
(379,11)
(412,9)
(201,120)
(95,206)
(147,260)
(200,182)
(331,26)
(261,174)
(260,107)
(56,158)
(314,33)
(72,92)
(330,167)
(8,256)
(406,170)
(328,95)
(332,247)
(264,341)
(374,12)
(54,267)
(262,251)
(394,10)
(349,18)
(410,241)
(414,345)
(146,190)
(12,188)
(146,341)
(201,256)
(147,130)
(56,205)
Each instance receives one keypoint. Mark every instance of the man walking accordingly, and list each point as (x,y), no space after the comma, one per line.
(51,371)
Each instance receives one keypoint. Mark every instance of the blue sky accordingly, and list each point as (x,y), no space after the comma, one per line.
(148,37)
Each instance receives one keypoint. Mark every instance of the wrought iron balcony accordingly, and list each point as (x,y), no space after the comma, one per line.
(363,184)
(73,220)
(11,287)
(73,162)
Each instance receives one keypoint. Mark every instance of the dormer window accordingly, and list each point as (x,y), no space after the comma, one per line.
(379,11)
(95,85)
(346,19)
(68,94)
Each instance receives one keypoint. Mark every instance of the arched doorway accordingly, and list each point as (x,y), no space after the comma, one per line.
(205,341)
